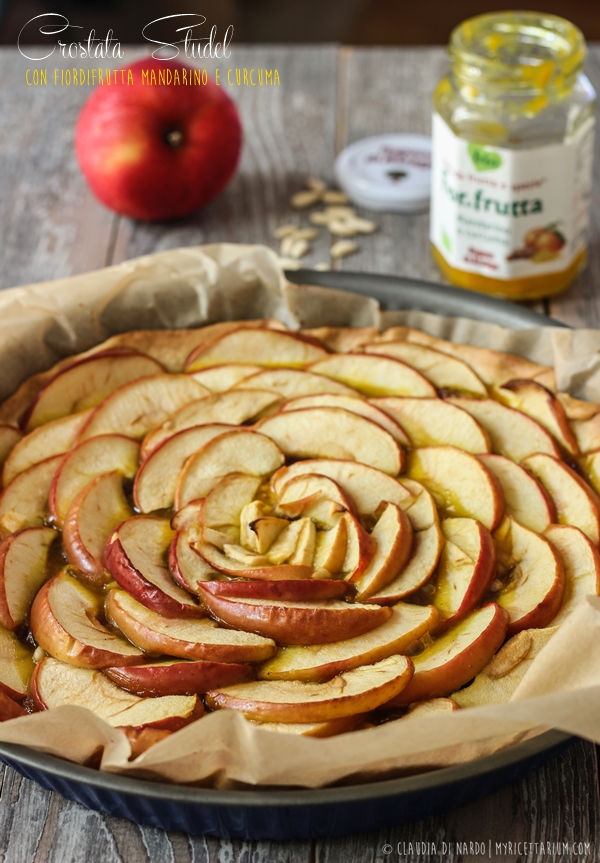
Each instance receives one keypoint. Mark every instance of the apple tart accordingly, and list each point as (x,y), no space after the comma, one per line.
(324,530)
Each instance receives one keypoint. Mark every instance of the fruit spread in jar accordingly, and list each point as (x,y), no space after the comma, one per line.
(513,130)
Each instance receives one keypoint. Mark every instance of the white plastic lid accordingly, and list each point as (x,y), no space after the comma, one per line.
(387,172)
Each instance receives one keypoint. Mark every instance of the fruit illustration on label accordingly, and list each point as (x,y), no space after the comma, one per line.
(540,244)
(484,159)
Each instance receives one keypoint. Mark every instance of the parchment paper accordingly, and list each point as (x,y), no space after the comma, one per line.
(41,324)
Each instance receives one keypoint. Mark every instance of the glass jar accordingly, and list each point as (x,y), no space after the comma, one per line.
(513,129)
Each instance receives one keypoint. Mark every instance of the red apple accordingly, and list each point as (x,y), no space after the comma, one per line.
(154,150)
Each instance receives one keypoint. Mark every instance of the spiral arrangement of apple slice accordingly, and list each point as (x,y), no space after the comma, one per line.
(307,534)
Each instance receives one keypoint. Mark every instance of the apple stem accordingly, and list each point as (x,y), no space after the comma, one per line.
(174,138)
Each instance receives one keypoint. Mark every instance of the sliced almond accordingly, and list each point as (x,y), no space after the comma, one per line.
(342,227)
(343,248)
(316,185)
(332,196)
(302,200)
(284,231)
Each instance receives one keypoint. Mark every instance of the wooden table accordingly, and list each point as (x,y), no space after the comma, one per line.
(51,227)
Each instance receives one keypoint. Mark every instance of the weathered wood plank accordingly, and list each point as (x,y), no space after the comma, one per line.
(559,802)
(50,224)
(580,304)
(289,133)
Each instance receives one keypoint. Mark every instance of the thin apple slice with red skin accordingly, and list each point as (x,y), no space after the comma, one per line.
(393,538)
(320,662)
(65,622)
(93,515)
(436,422)
(53,438)
(55,684)
(299,590)
(136,557)
(466,570)
(581,561)
(512,433)
(525,499)
(261,346)
(360,549)
(312,494)
(375,375)
(239,451)
(9,709)
(575,502)
(330,549)
(441,370)
(293,383)
(24,501)
(93,457)
(223,506)
(457,656)
(459,482)
(533,576)
(178,677)
(85,383)
(16,665)
(426,550)
(139,406)
(224,564)
(329,432)
(185,564)
(23,570)
(187,638)
(220,378)
(9,438)
(536,401)
(289,622)
(357,691)
(354,405)
(231,408)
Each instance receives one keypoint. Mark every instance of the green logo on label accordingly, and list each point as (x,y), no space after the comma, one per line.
(483,159)
(446,241)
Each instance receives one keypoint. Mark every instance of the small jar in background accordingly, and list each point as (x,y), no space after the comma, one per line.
(513,130)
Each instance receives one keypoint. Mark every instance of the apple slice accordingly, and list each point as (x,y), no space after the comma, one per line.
(177,677)
(223,506)
(93,515)
(434,421)
(357,691)
(590,464)
(24,501)
(93,457)
(188,638)
(393,538)
(261,346)
(223,563)
(54,438)
(353,404)
(65,622)
(441,370)
(23,570)
(259,530)
(535,400)
(86,382)
(9,438)
(316,496)
(239,451)
(459,483)
(314,729)
(300,590)
(453,659)
(232,408)
(431,707)
(587,433)
(374,375)
(9,709)
(186,566)
(533,576)
(334,433)
(220,378)
(524,498)
(293,383)
(16,665)
(139,406)
(156,480)
(426,550)
(576,503)
(320,662)
(512,433)
(136,556)
(289,622)
(55,684)
(330,548)
(467,568)
(497,681)
(582,567)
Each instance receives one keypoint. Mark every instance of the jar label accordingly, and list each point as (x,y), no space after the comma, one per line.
(510,213)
